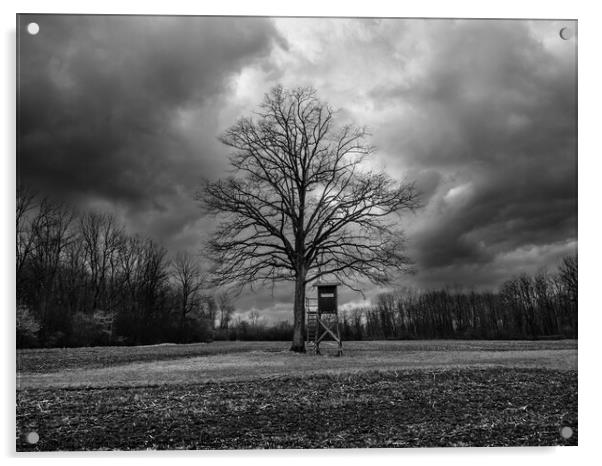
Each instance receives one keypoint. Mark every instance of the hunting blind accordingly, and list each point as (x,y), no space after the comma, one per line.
(323,318)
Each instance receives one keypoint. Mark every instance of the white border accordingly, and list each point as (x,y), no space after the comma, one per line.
(589,231)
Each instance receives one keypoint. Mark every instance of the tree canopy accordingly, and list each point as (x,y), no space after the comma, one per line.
(301,198)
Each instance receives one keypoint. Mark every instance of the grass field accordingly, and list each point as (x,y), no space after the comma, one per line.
(259,395)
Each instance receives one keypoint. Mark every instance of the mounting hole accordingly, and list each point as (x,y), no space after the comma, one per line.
(32,438)
(566,33)
(566,432)
(33,28)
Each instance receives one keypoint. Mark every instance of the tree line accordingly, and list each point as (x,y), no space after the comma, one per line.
(82,280)
(525,307)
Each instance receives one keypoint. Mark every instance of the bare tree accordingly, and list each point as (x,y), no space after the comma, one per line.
(152,277)
(568,272)
(189,279)
(52,233)
(209,309)
(254,319)
(226,309)
(26,202)
(101,240)
(303,205)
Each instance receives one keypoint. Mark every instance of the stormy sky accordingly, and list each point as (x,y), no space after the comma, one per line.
(123,114)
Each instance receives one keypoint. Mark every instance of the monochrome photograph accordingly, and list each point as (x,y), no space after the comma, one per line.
(266,232)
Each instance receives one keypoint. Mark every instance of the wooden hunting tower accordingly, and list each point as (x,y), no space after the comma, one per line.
(323,317)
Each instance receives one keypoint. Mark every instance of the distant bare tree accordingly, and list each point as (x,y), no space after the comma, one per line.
(101,240)
(26,202)
(189,279)
(52,233)
(226,309)
(210,309)
(254,318)
(568,272)
(302,205)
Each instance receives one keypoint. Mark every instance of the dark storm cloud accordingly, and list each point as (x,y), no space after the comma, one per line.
(481,113)
(494,112)
(125,109)
(123,113)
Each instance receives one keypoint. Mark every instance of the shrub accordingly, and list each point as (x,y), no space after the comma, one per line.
(28,328)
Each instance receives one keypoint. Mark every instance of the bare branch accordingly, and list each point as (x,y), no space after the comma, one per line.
(300,206)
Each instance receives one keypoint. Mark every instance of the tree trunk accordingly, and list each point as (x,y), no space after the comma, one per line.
(299,314)
(181,325)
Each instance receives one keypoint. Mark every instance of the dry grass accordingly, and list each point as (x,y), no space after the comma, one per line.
(54,359)
(232,361)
